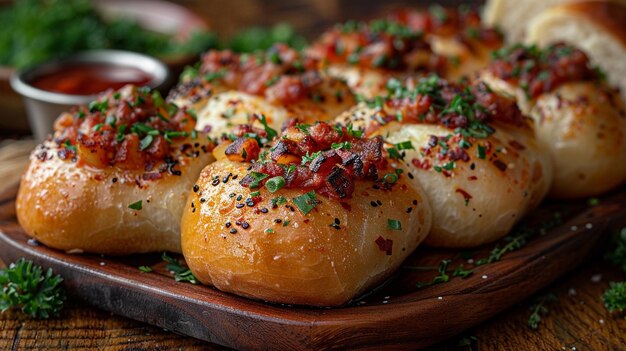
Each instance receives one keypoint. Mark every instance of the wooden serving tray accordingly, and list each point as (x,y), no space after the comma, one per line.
(397,315)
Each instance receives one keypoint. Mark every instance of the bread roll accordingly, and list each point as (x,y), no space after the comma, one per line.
(583,126)
(512,17)
(472,151)
(579,119)
(306,242)
(366,55)
(596,27)
(108,181)
(279,84)
(454,33)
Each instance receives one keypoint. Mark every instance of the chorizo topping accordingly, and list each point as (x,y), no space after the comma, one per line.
(324,158)
(468,110)
(462,23)
(539,71)
(132,129)
(280,74)
(378,44)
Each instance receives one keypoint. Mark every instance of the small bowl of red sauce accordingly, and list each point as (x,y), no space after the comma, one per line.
(56,86)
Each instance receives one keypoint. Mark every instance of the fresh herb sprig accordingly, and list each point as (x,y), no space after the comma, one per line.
(25,286)
(519,237)
(614,297)
(539,308)
(618,255)
(181,274)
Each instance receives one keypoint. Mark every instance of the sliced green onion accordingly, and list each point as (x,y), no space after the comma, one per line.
(394,224)
(275,184)
(136,205)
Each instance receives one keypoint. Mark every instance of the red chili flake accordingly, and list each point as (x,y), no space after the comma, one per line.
(384,244)
(421,164)
(516,145)
(465,194)
(472,178)
(500,165)
(346,206)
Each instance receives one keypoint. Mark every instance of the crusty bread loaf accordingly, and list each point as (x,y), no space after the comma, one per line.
(513,16)
(596,27)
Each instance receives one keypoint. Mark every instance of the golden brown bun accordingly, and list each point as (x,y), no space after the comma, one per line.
(596,27)
(85,209)
(497,199)
(219,113)
(288,257)
(465,60)
(512,17)
(583,127)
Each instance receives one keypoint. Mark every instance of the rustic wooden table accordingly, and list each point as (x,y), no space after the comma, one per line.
(576,320)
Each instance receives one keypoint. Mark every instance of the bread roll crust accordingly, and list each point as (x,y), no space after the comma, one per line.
(583,126)
(597,27)
(84,209)
(323,258)
(479,201)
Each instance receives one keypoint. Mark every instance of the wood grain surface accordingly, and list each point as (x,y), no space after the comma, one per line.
(398,316)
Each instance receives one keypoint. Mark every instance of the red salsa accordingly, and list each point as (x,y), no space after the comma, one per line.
(91,79)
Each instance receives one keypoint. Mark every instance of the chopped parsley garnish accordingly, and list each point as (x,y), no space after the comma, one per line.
(212,76)
(257,177)
(181,274)
(538,309)
(482,152)
(100,106)
(618,255)
(449,166)
(145,269)
(136,205)
(68,145)
(394,224)
(272,81)
(614,297)
(309,158)
(279,200)
(405,145)
(271,133)
(346,145)
(306,202)
(26,286)
(394,154)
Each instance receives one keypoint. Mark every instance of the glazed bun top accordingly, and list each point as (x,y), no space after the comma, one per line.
(538,71)
(132,129)
(470,110)
(322,157)
(463,24)
(379,44)
(365,55)
(280,75)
